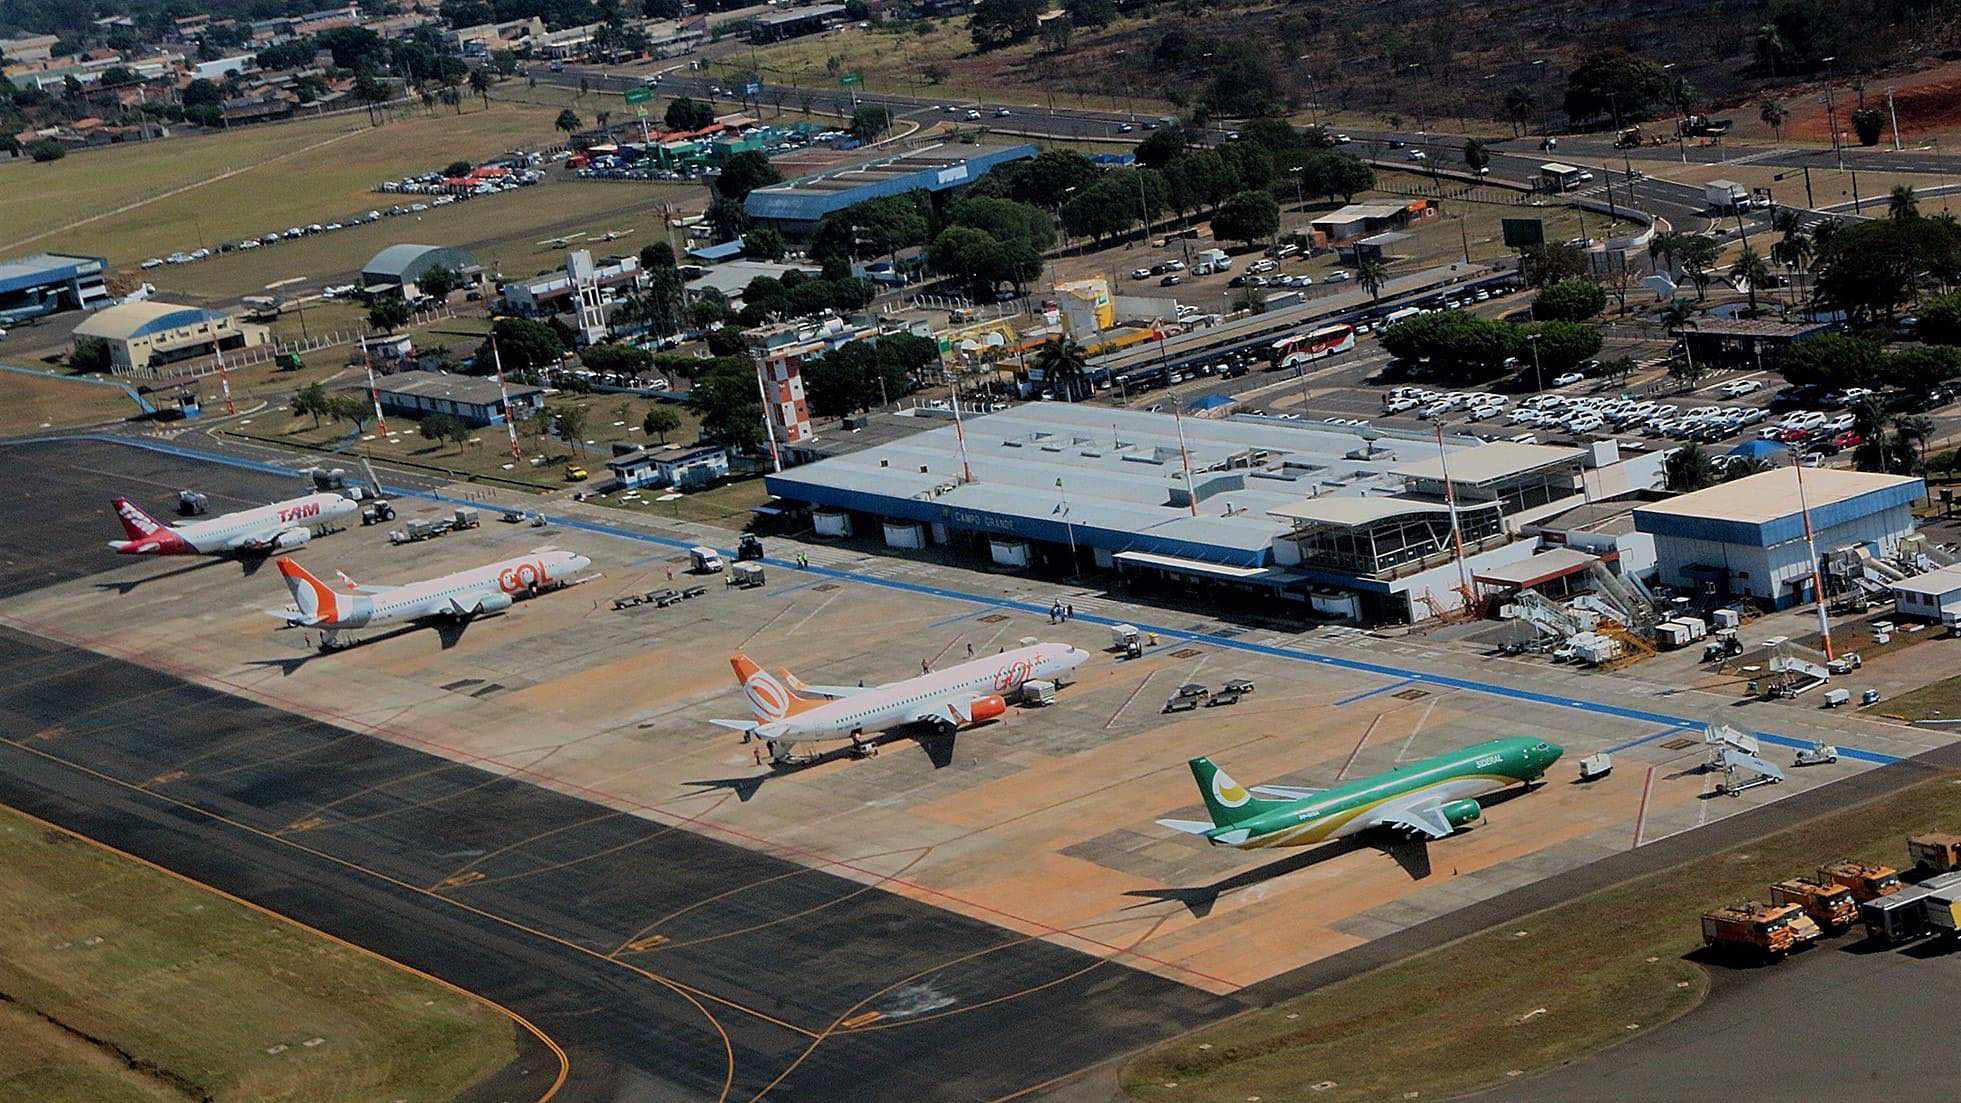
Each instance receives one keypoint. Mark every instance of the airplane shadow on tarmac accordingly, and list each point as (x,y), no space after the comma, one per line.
(1412,855)
(128,586)
(937,745)
(449,632)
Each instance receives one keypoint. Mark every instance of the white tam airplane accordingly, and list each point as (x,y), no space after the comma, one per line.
(789,711)
(263,530)
(456,598)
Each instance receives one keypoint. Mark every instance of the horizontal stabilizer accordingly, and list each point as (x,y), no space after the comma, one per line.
(1189,827)
(1284,792)
(744,726)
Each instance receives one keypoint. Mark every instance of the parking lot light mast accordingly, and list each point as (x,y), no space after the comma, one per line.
(1538,373)
(1811,547)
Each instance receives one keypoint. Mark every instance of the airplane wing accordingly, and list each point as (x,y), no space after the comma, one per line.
(361,589)
(1284,792)
(832,692)
(1422,815)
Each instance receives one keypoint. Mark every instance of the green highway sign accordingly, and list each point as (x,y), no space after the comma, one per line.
(851,78)
(639,95)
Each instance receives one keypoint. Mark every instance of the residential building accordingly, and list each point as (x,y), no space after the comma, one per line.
(682,466)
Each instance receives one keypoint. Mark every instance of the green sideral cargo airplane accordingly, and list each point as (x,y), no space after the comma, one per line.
(1429,799)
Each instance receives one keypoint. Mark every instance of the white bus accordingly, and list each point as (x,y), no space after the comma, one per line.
(1397,316)
(1299,348)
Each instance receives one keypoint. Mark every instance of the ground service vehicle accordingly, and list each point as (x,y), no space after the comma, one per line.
(750,546)
(1936,853)
(1753,929)
(1866,882)
(1901,916)
(705,560)
(1829,906)
(1940,909)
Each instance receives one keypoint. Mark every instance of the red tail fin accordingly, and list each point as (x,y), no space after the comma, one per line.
(137,524)
(315,599)
(769,698)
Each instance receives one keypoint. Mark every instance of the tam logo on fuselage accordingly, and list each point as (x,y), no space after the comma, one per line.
(300,512)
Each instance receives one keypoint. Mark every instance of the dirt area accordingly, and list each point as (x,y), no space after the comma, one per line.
(1928,103)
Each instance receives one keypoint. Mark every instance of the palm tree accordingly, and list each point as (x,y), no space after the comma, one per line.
(1773,114)
(480,84)
(1903,202)
(1688,468)
(1063,362)
(1911,432)
(1752,272)
(1519,104)
(1371,273)
(605,124)
(566,121)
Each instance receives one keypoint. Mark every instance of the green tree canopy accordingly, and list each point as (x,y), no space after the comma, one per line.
(1248,216)
(1570,300)
(744,173)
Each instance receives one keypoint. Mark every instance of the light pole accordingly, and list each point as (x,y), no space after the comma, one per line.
(1069,525)
(1538,373)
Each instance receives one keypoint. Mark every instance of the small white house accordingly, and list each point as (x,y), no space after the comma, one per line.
(677,465)
(1934,596)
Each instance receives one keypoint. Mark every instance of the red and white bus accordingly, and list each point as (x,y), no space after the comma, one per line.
(1299,348)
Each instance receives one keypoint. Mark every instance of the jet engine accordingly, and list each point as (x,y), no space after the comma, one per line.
(292,538)
(987,708)
(1462,812)
(494,603)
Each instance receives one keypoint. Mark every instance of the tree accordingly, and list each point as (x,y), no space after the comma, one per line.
(1752,272)
(615,358)
(311,401)
(731,407)
(726,218)
(568,121)
(45,150)
(1162,147)
(1872,268)
(763,243)
(869,121)
(1773,115)
(1476,156)
(1544,265)
(1372,273)
(1688,468)
(1563,346)
(744,173)
(442,427)
(1836,360)
(1520,103)
(660,421)
(1940,319)
(1063,363)
(568,421)
(1247,217)
(439,282)
(1687,370)
(685,113)
(1902,202)
(1570,300)
(1917,369)
(523,345)
(1619,86)
(970,256)
(388,314)
(1868,123)
(480,84)
(1000,22)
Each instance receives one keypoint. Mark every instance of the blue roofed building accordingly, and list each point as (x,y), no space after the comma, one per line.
(1747,539)
(794,208)
(1347,525)
(46,283)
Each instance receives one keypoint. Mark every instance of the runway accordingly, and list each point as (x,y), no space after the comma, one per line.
(668,964)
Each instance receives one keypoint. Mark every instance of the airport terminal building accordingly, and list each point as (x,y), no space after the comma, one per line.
(1347,523)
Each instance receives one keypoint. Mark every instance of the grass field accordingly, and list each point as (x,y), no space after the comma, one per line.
(1463,1016)
(1935,701)
(30,402)
(728,505)
(609,418)
(151,199)
(210,998)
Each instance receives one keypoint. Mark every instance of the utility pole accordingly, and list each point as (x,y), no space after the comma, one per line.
(1896,121)
(1831,115)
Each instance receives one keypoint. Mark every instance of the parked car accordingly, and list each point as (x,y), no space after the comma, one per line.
(1568,379)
